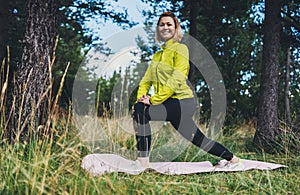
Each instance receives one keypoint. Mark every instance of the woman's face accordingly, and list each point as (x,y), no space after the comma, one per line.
(166,28)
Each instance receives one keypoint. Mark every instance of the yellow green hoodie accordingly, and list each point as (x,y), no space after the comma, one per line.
(168,73)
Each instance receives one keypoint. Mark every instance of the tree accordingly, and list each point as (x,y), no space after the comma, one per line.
(290,38)
(3,27)
(287,109)
(267,127)
(36,77)
(74,37)
(103,94)
(12,15)
(193,8)
(33,75)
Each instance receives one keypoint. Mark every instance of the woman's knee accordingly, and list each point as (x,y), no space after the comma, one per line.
(138,110)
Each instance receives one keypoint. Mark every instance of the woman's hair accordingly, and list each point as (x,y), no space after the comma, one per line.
(178,34)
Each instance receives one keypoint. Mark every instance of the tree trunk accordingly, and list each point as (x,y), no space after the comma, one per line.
(193,32)
(287,109)
(33,75)
(3,28)
(267,127)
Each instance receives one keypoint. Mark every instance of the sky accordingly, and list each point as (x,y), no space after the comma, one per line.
(107,29)
(121,42)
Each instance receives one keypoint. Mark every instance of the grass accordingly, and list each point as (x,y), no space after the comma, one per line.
(52,166)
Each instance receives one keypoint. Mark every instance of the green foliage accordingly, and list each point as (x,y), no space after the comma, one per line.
(104,92)
(231,37)
(125,83)
(290,38)
(75,38)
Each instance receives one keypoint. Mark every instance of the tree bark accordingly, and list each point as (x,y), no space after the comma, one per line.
(287,109)
(33,75)
(193,32)
(3,28)
(267,127)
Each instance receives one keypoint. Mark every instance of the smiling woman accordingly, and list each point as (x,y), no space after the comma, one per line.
(168,27)
(173,99)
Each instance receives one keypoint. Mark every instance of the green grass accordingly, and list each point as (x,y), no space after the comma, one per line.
(52,166)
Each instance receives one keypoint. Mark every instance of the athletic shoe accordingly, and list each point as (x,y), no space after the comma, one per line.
(229,165)
(143,161)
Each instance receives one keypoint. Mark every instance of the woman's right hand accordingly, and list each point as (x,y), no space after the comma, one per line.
(145,99)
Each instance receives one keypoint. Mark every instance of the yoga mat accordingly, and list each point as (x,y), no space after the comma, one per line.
(98,164)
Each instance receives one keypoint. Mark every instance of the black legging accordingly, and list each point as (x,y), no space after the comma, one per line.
(179,113)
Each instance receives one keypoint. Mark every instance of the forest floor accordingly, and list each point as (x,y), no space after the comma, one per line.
(52,166)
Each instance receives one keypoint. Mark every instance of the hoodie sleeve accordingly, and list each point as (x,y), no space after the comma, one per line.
(145,83)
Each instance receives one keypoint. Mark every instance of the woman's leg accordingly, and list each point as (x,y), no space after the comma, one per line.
(179,113)
(142,128)
(184,124)
(143,114)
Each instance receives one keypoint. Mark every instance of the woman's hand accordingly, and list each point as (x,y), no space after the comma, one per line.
(145,99)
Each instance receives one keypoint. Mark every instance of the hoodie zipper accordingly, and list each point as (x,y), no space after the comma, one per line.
(157,83)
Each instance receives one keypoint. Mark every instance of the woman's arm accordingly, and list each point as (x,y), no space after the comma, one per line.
(145,84)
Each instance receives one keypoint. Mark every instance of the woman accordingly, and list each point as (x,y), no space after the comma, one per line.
(173,99)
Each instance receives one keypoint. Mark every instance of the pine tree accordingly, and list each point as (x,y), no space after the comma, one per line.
(33,78)
(267,128)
